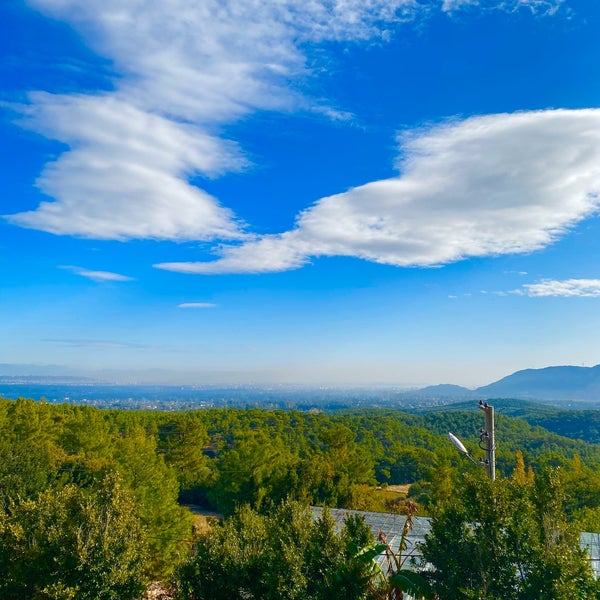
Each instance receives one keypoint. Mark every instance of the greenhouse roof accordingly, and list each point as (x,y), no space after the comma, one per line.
(392,525)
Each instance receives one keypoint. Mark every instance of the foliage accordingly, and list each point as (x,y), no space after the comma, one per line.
(155,489)
(507,539)
(227,458)
(255,469)
(182,441)
(44,448)
(30,459)
(579,424)
(280,556)
(66,545)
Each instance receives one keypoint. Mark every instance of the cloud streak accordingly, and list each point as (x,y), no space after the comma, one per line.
(196,305)
(99,276)
(184,69)
(97,344)
(548,7)
(485,186)
(566,288)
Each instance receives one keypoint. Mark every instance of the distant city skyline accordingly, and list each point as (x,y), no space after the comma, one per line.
(345,192)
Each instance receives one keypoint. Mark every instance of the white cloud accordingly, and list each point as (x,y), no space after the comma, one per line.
(197,305)
(272,253)
(97,275)
(125,177)
(589,288)
(184,68)
(498,184)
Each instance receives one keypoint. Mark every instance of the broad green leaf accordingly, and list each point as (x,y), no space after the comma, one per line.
(412,583)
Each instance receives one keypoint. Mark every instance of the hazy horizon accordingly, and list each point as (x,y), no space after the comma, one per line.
(209,379)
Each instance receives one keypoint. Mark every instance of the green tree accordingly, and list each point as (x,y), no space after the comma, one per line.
(256,469)
(66,545)
(87,441)
(182,441)
(155,488)
(30,460)
(349,463)
(285,555)
(509,540)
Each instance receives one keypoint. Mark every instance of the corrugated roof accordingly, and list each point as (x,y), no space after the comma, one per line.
(392,526)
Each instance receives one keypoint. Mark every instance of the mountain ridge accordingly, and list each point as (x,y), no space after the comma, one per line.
(564,382)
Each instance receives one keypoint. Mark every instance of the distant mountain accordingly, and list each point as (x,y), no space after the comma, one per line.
(555,385)
(562,383)
(443,390)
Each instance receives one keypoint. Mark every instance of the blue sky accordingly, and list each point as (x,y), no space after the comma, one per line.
(340,191)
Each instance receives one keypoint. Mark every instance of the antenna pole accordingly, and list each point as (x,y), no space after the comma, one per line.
(488,437)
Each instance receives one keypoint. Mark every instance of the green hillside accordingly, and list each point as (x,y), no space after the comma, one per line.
(68,469)
(573,423)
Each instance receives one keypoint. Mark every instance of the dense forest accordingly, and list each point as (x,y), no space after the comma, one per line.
(94,501)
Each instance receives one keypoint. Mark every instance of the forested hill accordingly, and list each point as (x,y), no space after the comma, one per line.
(223,457)
(67,469)
(576,424)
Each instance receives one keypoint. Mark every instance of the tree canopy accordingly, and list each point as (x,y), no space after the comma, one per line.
(108,486)
(507,539)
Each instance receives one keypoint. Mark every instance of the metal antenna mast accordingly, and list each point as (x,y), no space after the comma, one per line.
(487,439)
(487,442)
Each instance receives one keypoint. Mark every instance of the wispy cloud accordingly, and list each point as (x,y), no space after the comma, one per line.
(98,344)
(538,6)
(587,288)
(197,305)
(497,184)
(183,69)
(97,275)
(454,5)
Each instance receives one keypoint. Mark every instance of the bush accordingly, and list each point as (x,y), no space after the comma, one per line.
(282,556)
(65,545)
